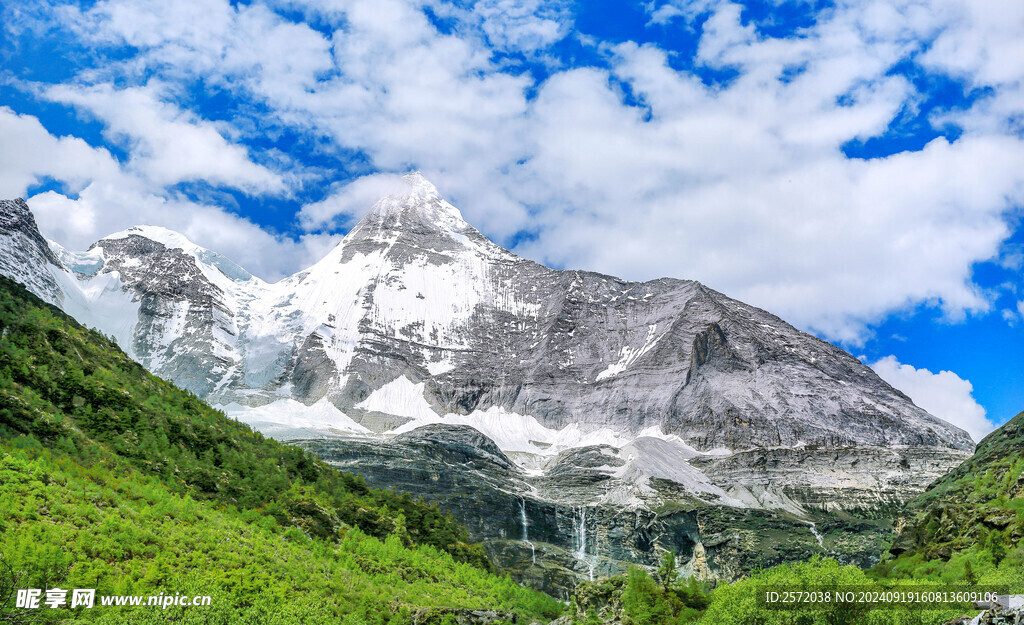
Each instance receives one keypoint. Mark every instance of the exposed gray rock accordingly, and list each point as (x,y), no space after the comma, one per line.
(446,616)
(850,478)
(415,292)
(613,419)
(25,255)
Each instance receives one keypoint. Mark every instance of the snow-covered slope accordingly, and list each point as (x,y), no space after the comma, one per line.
(588,394)
(416,318)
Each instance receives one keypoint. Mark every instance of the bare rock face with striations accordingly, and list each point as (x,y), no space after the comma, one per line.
(418,303)
(602,394)
(25,255)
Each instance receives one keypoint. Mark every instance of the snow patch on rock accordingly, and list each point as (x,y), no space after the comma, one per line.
(401,397)
(629,355)
(287,418)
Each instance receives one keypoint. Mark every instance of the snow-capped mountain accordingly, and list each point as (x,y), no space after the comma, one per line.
(600,391)
(417,318)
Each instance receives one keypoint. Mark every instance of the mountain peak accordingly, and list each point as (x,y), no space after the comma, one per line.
(164,236)
(415,205)
(420,186)
(173,240)
(13,209)
(25,255)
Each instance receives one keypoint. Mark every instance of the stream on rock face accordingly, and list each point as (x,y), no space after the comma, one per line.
(817,536)
(526,532)
(580,533)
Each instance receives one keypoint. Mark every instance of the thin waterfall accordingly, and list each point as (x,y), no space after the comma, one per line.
(526,531)
(580,535)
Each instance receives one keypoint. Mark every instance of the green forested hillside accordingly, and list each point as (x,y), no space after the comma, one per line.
(111,478)
(970,523)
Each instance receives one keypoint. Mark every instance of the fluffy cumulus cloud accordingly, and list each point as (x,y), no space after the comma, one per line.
(522,25)
(167,145)
(101,196)
(726,162)
(944,394)
(29,152)
(348,203)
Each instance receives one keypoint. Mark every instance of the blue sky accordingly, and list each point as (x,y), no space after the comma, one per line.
(856,167)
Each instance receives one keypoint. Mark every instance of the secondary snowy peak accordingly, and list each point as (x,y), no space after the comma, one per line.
(164,236)
(137,241)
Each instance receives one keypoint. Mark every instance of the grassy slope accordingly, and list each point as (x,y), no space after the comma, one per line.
(115,479)
(970,523)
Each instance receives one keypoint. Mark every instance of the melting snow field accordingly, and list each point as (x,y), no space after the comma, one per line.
(650,451)
(283,418)
(100,302)
(512,432)
(646,455)
(403,398)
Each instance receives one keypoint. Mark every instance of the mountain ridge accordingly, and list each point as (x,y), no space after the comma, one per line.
(710,423)
(414,285)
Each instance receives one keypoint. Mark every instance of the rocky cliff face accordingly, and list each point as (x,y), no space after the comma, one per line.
(416,317)
(617,418)
(26,256)
(594,511)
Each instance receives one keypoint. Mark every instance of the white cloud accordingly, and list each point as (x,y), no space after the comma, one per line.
(944,394)
(664,13)
(106,198)
(167,145)
(351,201)
(526,25)
(741,185)
(29,152)
(980,42)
